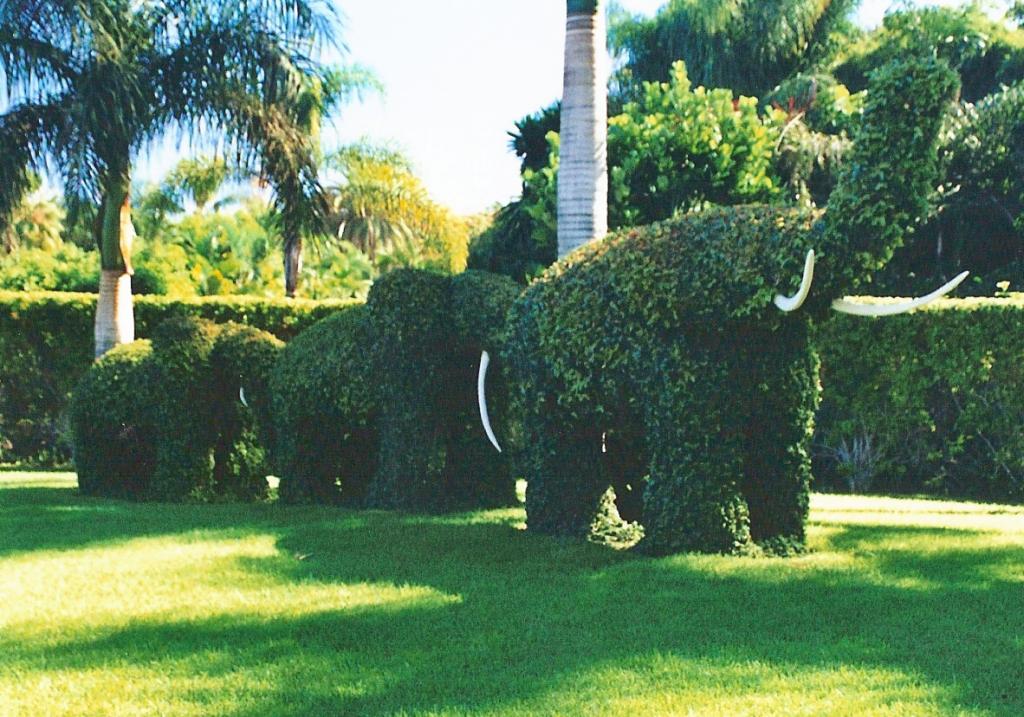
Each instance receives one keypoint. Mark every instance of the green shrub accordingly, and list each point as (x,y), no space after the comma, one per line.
(377,406)
(931,402)
(46,346)
(324,408)
(112,423)
(654,362)
(163,419)
(242,361)
(664,344)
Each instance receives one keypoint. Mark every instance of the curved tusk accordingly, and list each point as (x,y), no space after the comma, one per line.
(241,396)
(792,303)
(845,306)
(481,393)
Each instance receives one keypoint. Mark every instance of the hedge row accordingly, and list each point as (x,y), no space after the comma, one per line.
(930,402)
(46,345)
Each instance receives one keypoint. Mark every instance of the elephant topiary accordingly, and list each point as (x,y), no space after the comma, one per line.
(666,363)
(169,419)
(374,406)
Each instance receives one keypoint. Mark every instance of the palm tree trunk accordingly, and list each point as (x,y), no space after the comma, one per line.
(292,264)
(115,317)
(583,160)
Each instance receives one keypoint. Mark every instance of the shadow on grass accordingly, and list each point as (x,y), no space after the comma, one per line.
(535,616)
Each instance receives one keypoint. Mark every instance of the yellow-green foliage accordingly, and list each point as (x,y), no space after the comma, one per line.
(936,399)
(46,345)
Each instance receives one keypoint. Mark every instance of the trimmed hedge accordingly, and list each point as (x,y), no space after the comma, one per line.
(654,362)
(931,402)
(46,345)
(429,331)
(163,420)
(242,360)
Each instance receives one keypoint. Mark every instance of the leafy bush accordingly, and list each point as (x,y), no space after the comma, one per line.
(113,425)
(678,148)
(325,408)
(409,312)
(663,345)
(46,346)
(475,476)
(939,393)
(377,406)
(653,362)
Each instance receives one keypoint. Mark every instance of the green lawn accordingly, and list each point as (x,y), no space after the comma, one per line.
(903,607)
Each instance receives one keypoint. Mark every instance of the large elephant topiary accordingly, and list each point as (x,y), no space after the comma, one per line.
(665,361)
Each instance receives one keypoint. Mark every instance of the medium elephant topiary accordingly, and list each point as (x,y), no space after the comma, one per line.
(375,406)
(665,362)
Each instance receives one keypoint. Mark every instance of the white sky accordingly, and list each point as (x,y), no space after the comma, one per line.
(458,74)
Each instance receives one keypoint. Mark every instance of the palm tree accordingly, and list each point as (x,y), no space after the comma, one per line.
(583,164)
(91,84)
(318,97)
(371,207)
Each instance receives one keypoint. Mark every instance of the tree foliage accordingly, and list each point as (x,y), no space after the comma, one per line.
(985,52)
(749,46)
(675,149)
(94,83)
(382,207)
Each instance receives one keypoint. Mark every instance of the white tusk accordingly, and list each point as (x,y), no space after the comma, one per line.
(241,396)
(481,393)
(844,306)
(792,303)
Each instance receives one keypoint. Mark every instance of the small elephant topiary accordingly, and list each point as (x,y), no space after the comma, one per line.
(169,419)
(665,361)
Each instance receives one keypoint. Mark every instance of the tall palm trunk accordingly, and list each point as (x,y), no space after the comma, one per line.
(115,318)
(292,264)
(583,161)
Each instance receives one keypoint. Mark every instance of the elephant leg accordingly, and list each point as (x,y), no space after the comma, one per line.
(564,474)
(693,500)
(777,470)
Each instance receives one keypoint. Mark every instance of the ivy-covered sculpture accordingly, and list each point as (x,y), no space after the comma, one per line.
(665,361)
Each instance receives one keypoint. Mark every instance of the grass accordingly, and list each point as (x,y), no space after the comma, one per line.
(108,608)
